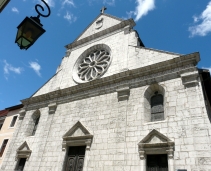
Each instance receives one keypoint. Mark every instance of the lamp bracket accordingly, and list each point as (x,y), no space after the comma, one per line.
(40,14)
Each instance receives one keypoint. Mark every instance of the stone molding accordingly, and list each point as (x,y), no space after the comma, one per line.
(133,78)
(155,143)
(121,25)
(22,114)
(78,135)
(123,93)
(23,151)
(52,108)
(189,78)
(127,29)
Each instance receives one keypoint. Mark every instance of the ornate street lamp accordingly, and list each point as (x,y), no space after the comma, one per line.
(30,29)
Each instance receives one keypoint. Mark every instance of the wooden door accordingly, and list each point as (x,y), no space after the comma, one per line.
(75,158)
(157,162)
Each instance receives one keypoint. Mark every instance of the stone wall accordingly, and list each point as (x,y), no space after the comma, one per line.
(117,127)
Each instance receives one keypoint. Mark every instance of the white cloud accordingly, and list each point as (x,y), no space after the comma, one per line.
(9,68)
(142,8)
(195,19)
(68,2)
(36,67)
(109,2)
(204,27)
(14,9)
(70,17)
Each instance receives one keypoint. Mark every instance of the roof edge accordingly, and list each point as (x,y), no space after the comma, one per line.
(108,15)
(14,107)
(101,33)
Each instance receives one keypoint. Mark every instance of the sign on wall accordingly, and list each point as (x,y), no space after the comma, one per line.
(3,4)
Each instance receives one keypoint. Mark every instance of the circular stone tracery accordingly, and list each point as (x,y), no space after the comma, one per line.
(94,65)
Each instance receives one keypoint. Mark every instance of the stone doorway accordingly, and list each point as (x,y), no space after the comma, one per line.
(158,162)
(75,158)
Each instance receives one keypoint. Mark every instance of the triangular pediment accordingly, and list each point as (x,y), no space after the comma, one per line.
(102,22)
(78,130)
(155,137)
(24,147)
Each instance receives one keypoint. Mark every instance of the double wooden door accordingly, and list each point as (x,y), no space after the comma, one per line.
(75,158)
(157,162)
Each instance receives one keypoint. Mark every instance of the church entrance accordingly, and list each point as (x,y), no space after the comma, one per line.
(157,162)
(75,158)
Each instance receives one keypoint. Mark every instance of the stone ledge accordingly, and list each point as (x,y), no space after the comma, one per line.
(133,78)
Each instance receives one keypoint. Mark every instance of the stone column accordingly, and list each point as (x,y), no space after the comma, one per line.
(143,160)
(87,154)
(170,159)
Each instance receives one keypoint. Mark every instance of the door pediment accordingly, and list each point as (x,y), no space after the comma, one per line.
(23,151)
(153,138)
(155,142)
(77,130)
(78,135)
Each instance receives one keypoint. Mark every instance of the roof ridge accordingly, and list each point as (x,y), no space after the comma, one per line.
(112,16)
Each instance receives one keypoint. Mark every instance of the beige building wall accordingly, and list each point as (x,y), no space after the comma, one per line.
(7,130)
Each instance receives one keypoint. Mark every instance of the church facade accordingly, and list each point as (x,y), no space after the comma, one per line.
(115,105)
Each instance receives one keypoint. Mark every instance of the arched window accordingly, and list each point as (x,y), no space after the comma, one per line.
(157,109)
(36,121)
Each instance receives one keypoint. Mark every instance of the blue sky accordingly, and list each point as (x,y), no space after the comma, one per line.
(181,26)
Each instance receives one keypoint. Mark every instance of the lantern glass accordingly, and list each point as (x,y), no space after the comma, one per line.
(28,32)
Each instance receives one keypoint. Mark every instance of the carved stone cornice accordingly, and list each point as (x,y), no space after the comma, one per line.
(23,152)
(123,93)
(52,108)
(189,77)
(155,143)
(132,78)
(22,114)
(121,25)
(78,135)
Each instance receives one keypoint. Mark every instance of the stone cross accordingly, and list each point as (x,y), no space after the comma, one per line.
(103,9)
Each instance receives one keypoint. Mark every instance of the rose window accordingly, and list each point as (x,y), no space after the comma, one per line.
(94,65)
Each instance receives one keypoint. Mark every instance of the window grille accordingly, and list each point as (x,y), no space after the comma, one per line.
(35,125)
(157,109)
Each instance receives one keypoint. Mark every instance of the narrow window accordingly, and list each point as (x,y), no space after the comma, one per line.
(13,121)
(157,110)
(21,164)
(4,144)
(75,158)
(35,125)
(1,124)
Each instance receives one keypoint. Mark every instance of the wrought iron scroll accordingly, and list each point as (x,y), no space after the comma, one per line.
(40,14)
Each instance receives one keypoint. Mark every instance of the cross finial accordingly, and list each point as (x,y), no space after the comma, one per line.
(103,9)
